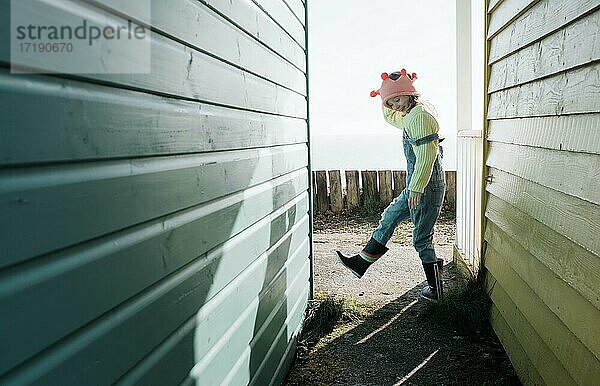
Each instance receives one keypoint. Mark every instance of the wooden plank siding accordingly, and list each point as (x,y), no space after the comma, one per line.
(542,204)
(156,227)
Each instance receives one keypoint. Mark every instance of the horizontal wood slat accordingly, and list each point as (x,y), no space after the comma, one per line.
(574,218)
(518,357)
(283,16)
(256,326)
(571,92)
(161,246)
(86,122)
(574,311)
(119,337)
(575,174)
(542,358)
(173,359)
(493,4)
(549,367)
(297,7)
(543,18)
(280,354)
(505,12)
(246,15)
(118,194)
(157,222)
(180,71)
(575,265)
(576,133)
(563,50)
(198,26)
(578,363)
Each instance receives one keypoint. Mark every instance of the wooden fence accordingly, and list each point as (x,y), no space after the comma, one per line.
(365,188)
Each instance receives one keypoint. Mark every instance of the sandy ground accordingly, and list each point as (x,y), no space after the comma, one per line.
(396,272)
(397,343)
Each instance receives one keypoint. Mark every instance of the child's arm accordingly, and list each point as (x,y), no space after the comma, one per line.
(422,125)
(393,117)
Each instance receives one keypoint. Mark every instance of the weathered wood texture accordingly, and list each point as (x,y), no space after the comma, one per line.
(543,18)
(379,188)
(450,197)
(385,187)
(352,189)
(202,77)
(542,217)
(562,50)
(575,133)
(522,364)
(335,191)
(321,189)
(157,225)
(571,92)
(400,181)
(370,193)
(505,12)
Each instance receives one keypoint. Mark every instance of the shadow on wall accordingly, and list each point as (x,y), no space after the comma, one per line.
(250,350)
(240,333)
(153,271)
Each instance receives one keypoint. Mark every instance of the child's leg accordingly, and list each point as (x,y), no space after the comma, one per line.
(396,212)
(424,218)
(392,215)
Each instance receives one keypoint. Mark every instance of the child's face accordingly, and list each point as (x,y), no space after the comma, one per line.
(397,102)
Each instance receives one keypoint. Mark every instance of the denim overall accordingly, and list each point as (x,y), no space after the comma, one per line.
(424,215)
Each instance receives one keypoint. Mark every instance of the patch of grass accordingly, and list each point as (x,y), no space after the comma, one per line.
(465,308)
(326,311)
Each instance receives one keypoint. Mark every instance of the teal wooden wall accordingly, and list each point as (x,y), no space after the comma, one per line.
(155,228)
(542,217)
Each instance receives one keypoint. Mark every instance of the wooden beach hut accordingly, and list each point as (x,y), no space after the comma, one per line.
(536,230)
(155,226)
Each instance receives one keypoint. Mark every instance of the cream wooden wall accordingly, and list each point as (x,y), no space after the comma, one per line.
(542,213)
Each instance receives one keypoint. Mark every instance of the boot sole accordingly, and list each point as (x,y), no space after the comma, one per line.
(350,269)
(428,299)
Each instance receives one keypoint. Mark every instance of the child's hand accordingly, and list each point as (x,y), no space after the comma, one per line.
(414,198)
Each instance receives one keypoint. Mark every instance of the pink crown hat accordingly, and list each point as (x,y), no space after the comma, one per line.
(390,88)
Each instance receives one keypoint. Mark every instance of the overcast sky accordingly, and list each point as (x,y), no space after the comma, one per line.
(351,42)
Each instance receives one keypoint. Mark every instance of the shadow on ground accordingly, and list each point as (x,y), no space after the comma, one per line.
(400,343)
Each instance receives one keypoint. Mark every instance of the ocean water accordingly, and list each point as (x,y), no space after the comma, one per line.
(360,151)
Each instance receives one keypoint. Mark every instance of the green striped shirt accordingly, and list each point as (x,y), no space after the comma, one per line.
(418,123)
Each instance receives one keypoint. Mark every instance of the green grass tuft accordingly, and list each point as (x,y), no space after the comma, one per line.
(466,308)
(326,311)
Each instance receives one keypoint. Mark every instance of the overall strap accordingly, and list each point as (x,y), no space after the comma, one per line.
(423,140)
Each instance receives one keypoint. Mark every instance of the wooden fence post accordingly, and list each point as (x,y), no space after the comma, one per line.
(451,189)
(322,199)
(314,190)
(385,186)
(369,183)
(352,189)
(399,181)
(335,191)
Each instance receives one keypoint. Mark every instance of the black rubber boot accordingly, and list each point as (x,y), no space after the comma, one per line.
(375,248)
(356,264)
(434,290)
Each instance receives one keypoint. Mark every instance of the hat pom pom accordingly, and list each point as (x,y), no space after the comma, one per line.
(384,75)
(374,93)
(414,75)
(403,72)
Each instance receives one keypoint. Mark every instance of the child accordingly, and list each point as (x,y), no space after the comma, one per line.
(421,200)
